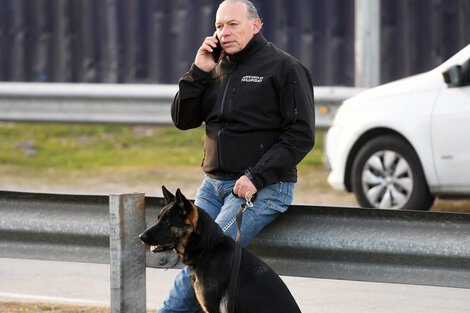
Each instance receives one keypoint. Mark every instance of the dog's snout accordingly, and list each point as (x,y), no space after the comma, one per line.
(143,238)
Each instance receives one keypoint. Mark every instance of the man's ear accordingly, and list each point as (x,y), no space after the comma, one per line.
(256,26)
(169,197)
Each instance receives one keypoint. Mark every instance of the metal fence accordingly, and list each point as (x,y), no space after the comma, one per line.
(113,103)
(428,248)
(155,41)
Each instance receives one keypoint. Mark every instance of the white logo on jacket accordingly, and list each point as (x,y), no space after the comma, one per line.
(252,79)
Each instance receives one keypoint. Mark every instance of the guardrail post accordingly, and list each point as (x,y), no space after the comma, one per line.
(127,253)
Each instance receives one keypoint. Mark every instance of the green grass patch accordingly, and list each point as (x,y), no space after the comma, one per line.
(89,147)
(315,158)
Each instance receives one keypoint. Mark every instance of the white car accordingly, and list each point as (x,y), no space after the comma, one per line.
(399,145)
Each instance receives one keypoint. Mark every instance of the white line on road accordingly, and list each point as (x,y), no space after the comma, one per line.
(23,297)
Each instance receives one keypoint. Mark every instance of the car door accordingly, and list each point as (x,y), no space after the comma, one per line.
(451,136)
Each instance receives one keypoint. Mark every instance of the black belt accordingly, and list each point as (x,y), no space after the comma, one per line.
(224,175)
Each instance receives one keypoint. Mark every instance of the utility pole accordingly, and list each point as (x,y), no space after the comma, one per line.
(367,43)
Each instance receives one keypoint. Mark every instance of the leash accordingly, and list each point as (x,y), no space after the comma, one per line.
(233,286)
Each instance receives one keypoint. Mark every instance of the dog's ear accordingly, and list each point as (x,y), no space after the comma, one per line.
(190,210)
(181,200)
(169,197)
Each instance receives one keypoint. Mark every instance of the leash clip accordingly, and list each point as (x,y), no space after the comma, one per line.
(249,203)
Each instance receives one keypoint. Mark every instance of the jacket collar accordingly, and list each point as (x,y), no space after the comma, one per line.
(257,42)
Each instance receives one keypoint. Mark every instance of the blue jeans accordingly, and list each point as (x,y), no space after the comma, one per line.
(216,198)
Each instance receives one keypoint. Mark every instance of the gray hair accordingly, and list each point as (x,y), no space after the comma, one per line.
(252,11)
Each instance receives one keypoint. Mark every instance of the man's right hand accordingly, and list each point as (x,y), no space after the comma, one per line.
(204,59)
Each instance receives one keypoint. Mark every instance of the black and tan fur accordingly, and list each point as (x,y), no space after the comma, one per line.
(202,245)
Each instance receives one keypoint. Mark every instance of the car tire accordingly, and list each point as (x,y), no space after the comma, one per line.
(387,174)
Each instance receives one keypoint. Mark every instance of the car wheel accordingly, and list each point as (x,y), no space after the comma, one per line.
(387,174)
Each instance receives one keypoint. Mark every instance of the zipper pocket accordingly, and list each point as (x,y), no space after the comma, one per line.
(219,158)
(225,94)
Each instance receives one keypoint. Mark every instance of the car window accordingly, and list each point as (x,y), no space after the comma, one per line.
(466,73)
(467,79)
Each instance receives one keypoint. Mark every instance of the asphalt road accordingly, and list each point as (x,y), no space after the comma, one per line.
(88,284)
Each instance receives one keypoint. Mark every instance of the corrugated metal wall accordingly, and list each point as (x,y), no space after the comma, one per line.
(418,35)
(154,41)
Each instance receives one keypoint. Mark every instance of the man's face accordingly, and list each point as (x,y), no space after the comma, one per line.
(234,28)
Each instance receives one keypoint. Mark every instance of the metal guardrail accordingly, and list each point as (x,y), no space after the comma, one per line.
(120,103)
(428,248)
(411,247)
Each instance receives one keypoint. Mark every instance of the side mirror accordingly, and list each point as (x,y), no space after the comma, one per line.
(453,76)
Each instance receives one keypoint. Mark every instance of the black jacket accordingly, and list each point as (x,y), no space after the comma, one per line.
(258,109)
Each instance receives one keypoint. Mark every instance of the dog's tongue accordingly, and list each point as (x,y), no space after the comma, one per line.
(154,248)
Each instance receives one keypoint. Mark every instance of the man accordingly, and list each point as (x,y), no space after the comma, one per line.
(257,105)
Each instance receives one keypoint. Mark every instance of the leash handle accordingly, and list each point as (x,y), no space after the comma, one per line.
(249,202)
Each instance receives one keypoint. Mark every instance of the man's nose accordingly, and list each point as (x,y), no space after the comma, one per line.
(224,31)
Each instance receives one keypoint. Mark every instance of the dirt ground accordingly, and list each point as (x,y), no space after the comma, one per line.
(22,307)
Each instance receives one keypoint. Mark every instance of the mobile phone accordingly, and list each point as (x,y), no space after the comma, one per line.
(217,51)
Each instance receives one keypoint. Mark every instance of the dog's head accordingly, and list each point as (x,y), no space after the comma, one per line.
(174,226)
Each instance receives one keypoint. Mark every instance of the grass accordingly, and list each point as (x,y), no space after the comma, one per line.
(73,147)
(106,159)
(88,147)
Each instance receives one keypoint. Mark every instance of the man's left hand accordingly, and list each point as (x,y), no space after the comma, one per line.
(244,188)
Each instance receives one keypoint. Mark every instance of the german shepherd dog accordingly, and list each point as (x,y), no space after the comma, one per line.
(201,244)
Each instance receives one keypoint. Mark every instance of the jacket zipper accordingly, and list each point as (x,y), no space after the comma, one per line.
(225,93)
(295,103)
(219,159)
